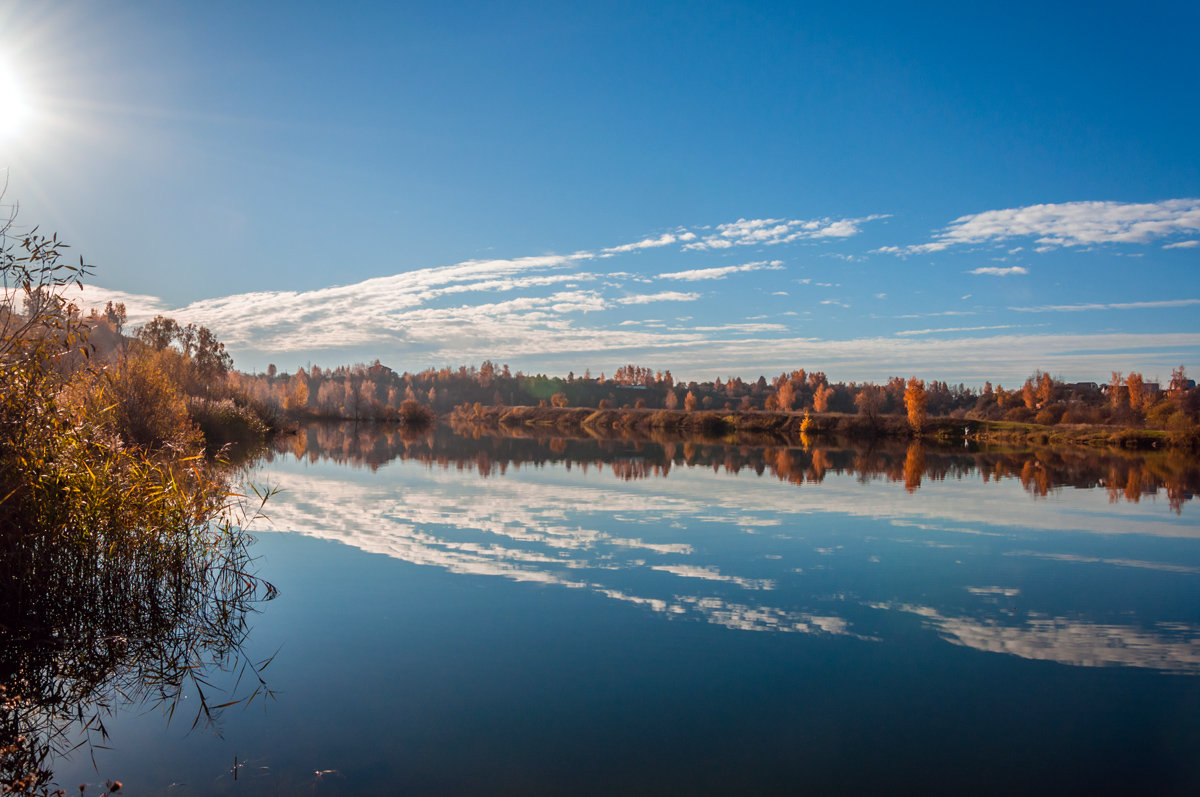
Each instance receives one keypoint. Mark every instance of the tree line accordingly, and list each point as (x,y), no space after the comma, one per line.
(377,392)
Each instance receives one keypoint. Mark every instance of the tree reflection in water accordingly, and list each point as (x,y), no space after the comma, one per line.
(85,630)
(1125,475)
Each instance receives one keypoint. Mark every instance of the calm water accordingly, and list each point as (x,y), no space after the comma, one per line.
(529,617)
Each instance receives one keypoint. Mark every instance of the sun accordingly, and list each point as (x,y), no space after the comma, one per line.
(14,106)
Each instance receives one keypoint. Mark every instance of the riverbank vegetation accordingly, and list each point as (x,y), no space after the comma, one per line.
(1126,410)
(126,573)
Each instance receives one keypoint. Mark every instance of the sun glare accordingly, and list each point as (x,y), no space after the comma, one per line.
(14,106)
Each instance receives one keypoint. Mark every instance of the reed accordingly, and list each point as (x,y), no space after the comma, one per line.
(125,573)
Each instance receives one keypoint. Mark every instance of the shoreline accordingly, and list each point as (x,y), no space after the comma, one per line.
(791,427)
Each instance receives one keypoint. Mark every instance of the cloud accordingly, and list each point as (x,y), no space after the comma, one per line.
(999,272)
(747,327)
(760,232)
(722,272)
(1075,308)
(1182,245)
(664,296)
(1067,224)
(935,315)
(647,243)
(547,314)
(139,307)
(955,329)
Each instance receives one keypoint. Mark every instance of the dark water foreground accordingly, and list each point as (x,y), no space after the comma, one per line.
(526,616)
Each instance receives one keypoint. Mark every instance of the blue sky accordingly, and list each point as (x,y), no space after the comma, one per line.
(951,191)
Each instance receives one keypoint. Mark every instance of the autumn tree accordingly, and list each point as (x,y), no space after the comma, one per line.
(1029,394)
(159,332)
(115,315)
(689,401)
(784,396)
(1179,384)
(914,402)
(1137,392)
(210,361)
(821,396)
(1116,392)
(869,402)
(330,396)
(558,400)
(1046,388)
(297,396)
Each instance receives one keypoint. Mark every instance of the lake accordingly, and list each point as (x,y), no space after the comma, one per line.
(553,616)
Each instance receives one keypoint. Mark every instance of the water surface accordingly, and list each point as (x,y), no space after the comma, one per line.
(579,616)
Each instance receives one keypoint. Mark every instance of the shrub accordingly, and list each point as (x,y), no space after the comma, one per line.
(1051,414)
(414,413)
(224,423)
(1020,414)
(1079,414)
(1182,430)
(137,402)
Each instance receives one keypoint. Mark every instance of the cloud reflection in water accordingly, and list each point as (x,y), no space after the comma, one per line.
(578,530)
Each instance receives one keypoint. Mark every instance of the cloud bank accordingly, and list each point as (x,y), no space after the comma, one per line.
(559,312)
(1068,224)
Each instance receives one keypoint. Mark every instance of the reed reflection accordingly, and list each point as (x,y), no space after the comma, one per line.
(84,631)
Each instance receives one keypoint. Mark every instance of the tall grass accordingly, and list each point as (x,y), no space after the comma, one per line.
(124,568)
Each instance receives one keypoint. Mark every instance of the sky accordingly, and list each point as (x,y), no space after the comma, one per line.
(963,192)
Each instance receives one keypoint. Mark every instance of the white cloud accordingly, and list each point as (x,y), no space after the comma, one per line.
(139,307)
(663,296)
(758,327)
(1074,308)
(647,243)
(999,272)
(1182,245)
(955,329)
(722,271)
(759,232)
(1067,224)
(937,314)
(545,313)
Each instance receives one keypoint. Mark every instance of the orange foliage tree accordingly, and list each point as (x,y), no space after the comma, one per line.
(914,402)
(1114,390)
(821,398)
(1137,391)
(785,396)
